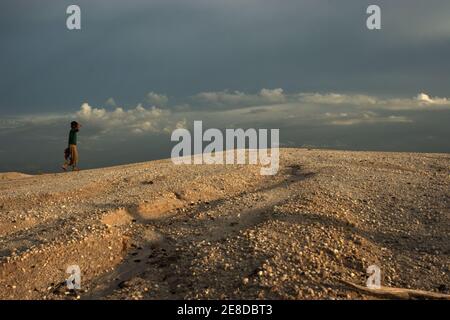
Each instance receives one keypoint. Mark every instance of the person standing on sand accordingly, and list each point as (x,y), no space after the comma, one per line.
(71,153)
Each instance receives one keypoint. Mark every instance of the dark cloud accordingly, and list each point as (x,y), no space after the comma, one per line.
(180,47)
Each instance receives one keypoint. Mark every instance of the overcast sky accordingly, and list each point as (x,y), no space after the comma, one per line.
(138,69)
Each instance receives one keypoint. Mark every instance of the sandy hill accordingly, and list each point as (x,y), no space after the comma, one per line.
(12,175)
(156,230)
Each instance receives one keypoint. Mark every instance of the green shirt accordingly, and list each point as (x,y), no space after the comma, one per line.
(73,136)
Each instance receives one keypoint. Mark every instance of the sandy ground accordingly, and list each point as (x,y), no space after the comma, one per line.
(159,231)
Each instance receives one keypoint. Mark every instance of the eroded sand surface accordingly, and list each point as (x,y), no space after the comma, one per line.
(159,231)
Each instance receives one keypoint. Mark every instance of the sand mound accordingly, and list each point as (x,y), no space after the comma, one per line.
(13,175)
